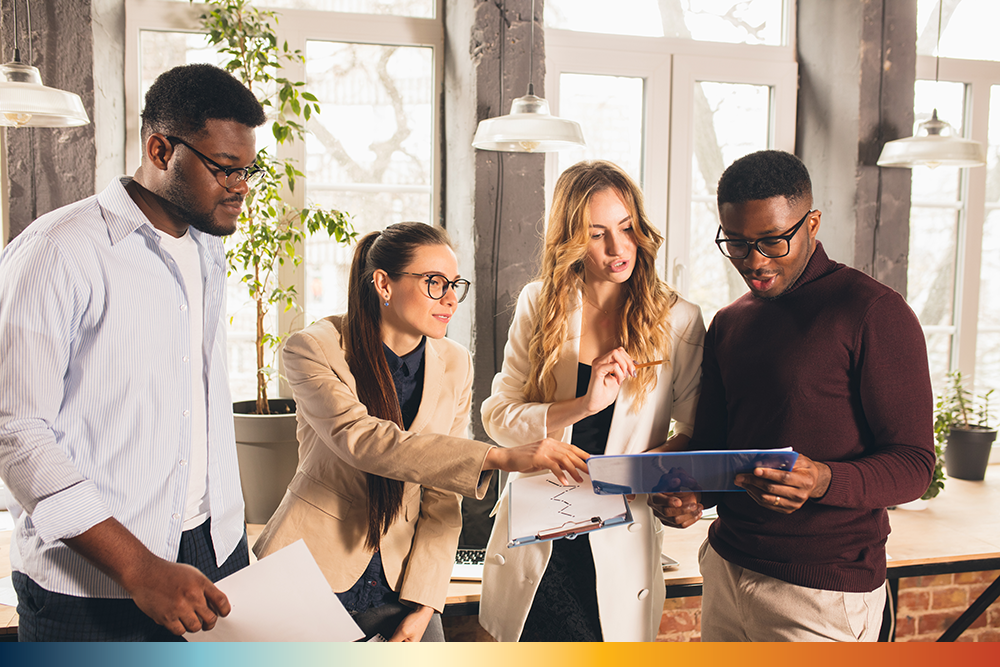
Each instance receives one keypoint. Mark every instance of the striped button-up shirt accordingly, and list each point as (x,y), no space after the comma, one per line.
(96,390)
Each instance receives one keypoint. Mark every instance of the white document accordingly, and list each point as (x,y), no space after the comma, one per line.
(281,598)
(543,509)
(7,594)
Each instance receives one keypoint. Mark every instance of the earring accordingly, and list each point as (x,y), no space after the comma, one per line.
(387,303)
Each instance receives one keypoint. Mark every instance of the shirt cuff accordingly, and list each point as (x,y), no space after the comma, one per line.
(70,512)
(683,429)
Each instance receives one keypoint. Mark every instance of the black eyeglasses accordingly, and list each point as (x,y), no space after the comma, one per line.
(228,177)
(437,285)
(771,247)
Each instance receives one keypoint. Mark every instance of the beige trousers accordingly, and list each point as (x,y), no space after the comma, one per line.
(739,605)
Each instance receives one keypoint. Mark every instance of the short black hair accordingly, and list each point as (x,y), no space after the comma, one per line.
(763,175)
(184,98)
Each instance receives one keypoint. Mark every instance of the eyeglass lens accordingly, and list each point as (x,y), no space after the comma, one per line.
(768,247)
(437,287)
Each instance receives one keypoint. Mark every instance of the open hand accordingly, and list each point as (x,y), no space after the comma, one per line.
(547,454)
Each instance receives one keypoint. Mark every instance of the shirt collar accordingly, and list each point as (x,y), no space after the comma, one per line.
(411,360)
(123,216)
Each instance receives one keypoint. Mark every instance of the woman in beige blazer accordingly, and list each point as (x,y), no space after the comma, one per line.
(569,373)
(375,495)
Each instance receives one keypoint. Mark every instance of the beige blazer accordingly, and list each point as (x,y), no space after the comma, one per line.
(339,442)
(630,589)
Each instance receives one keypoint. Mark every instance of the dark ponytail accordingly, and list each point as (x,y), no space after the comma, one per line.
(391,250)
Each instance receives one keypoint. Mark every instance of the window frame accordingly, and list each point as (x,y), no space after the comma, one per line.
(296,27)
(978,76)
(669,67)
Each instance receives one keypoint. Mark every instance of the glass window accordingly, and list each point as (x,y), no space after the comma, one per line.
(414,8)
(935,212)
(730,121)
(968,28)
(369,152)
(732,21)
(610,111)
(988,341)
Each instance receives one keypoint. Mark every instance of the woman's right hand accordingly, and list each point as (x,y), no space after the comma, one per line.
(547,454)
(606,376)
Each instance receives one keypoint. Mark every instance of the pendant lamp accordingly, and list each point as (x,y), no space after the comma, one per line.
(25,102)
(529,128)
(930,147)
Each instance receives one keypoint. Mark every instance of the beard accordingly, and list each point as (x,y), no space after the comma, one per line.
(177,193)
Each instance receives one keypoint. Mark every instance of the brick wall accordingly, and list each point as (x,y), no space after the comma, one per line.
(928,605)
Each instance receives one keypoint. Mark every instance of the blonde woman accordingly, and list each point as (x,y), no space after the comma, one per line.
(569,372)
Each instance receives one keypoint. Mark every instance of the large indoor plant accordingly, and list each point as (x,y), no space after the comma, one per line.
(962,421)
(270,232)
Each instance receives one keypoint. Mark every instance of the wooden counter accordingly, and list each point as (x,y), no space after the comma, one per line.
(959,531)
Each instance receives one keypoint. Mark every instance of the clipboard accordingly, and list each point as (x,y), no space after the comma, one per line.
(660,472)
(542,509)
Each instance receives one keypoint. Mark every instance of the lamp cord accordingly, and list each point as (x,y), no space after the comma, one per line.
(531,53)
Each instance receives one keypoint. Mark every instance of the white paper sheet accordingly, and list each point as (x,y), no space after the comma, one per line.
(282,598)
(7,594)
(539,504)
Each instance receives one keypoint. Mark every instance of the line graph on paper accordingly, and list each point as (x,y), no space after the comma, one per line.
(539,503)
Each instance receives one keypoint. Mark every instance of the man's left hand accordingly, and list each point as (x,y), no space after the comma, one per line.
(785,491)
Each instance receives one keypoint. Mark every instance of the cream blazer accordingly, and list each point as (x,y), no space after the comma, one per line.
(630,589)
(339,442)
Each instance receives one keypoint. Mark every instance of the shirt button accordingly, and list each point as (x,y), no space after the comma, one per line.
(184,306)
(186,413)
(643,593)
(634,527)
(499,559)
(185,359)
(184,462)
(175,515)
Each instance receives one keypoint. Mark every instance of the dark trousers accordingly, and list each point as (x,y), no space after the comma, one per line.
(47,617)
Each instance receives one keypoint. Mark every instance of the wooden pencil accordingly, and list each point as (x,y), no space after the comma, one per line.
(650,363)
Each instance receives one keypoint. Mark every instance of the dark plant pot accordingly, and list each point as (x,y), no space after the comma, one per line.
(968,452)
(268,454)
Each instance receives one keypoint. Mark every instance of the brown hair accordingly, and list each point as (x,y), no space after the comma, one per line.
(391,250)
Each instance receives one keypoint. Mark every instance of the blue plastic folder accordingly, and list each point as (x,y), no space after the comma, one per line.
(681,471)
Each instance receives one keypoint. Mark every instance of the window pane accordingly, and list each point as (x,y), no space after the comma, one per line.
(930,278)
(732,21)
(369,152)
(939,357)
(159,51)
(968,29)
(415,8)
(730,121)
(988,341)
(610,111)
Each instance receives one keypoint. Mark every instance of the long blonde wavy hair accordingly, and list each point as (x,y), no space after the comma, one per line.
(644,320)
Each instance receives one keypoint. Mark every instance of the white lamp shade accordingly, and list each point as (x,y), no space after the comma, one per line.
(25,102)
(933,149)
(529,128)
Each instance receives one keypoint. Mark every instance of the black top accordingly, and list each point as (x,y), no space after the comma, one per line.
(372,589)
(591,433)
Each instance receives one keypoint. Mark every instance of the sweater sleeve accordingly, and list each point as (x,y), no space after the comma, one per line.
(893,380)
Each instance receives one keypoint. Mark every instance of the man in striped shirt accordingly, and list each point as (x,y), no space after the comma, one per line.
(116,432)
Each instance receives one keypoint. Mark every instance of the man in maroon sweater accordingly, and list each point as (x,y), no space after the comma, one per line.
(821,358)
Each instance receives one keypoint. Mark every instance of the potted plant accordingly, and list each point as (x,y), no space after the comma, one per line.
(269,233)
(963,422)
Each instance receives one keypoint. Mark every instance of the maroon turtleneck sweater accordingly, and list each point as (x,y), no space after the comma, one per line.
(836,369)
